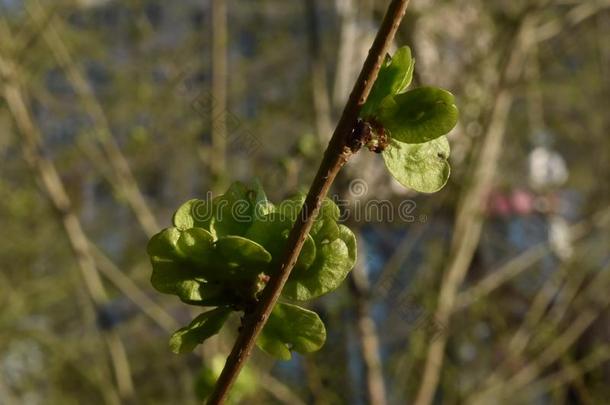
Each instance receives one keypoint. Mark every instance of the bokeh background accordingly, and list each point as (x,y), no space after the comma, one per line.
(493,290)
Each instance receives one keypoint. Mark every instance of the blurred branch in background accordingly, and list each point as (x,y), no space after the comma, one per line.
(53,187)
(122,178)
(366,329)
(469,221)
(217,158)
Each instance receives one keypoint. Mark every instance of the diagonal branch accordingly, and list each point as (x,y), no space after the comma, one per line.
(336,155)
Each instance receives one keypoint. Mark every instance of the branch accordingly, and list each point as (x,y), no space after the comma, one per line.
(469,221)
(54,188)
(336,155)
(124,181)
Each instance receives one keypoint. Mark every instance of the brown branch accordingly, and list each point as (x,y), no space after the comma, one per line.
(337,153)
(469,221)
(367,334)
(54,188)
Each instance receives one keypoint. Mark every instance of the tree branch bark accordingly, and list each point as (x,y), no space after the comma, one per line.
(336,155)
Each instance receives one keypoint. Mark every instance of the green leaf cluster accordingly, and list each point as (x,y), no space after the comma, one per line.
(415,122)
(221,253)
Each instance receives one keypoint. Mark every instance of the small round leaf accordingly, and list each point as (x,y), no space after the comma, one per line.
(291,327)
(419,115)
(422,167)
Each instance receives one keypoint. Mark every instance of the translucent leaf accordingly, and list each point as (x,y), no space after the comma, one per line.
(193,213)
(291,327)
(324,230)
(349,238)
(393,78)
(422,167)
(268,231)
(197,245)
(202,327)
(164,245)
(233,212)
(171,277)
(333,263)
(262,206)
(419,115)
(272,231)
(242,250)
(213,294)
(246,384)
(307,255)
(290,208)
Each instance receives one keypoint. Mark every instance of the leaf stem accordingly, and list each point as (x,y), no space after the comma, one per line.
(337,154)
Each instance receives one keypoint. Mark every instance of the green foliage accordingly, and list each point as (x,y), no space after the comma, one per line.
(393,78)
(246,383)
(419,115)
(421,166)
(291,327)
(221,253)
(414,121)
(202,327)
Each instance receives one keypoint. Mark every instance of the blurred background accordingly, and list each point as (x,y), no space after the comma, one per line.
(493,290)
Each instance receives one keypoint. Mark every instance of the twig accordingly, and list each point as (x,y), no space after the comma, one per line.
(56,192)
(218,163)
(124,181)
(337,153)
(518,264)
(367,333)
(469,221)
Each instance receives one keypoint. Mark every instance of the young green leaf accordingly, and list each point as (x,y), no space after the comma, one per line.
(202,327)
(245,385)
(422,167)
(193,213)
(268,230)
(262,206)
(333,263)
(164,245)
(291,327)
(197,245)
(233,211)
(419,115)
(171,277)
(393,78)
(242,251)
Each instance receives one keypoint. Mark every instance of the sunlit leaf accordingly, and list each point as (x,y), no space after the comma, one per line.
(245,385)
(233,211)
(164,245)
(422,167)
(171,277)
(193,213)
(393,78)
(419,115)
(242,250)
(291,327)
(331,266)
(202,327)
(197,245)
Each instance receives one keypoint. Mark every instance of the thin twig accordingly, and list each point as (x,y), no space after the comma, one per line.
(469,221)
(337,153)
(56,192)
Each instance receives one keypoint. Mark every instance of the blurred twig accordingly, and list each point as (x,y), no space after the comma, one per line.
(367,334)
(123,180)
(469,219)
(523,261)
(54,188)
